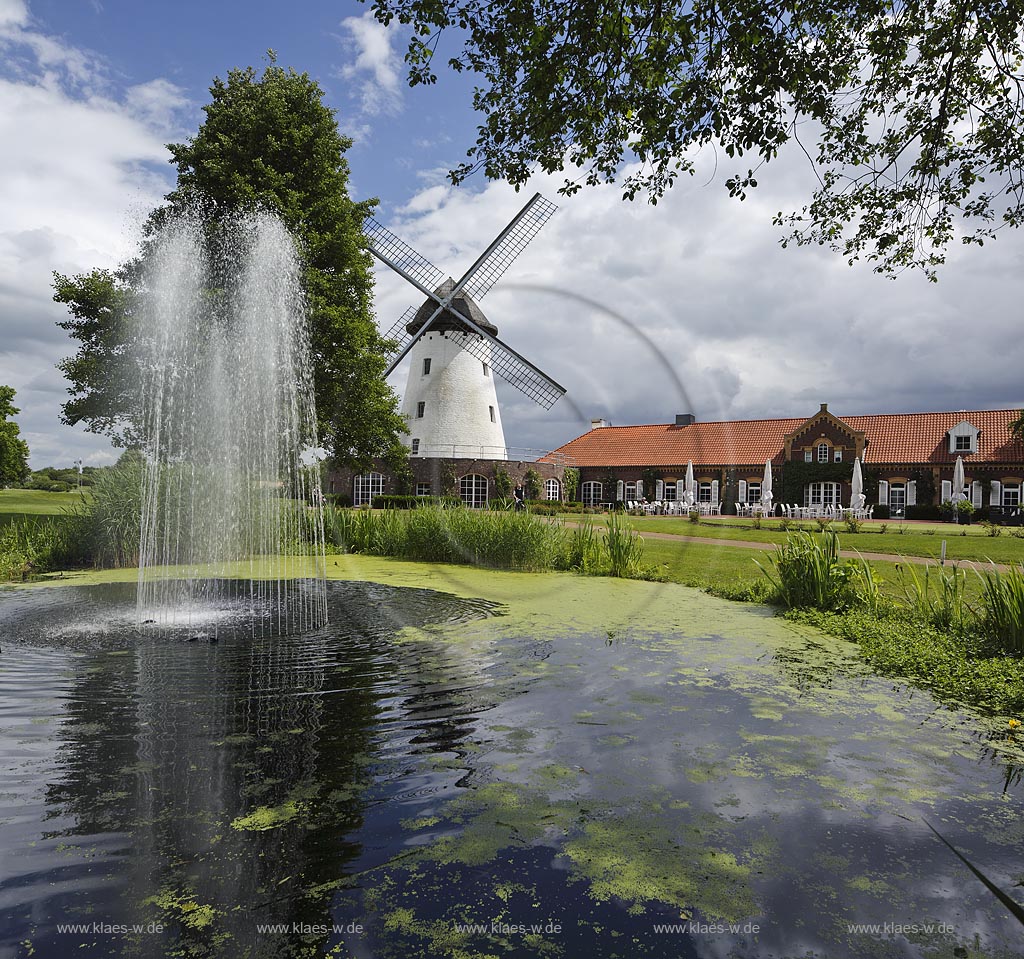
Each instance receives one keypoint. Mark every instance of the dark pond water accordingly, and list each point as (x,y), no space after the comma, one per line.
(426,777)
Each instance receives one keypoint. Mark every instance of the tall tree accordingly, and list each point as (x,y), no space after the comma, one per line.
(13,449)
(911,110)
(267,141)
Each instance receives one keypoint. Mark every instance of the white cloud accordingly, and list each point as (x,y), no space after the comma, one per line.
(699,309)
(78,171)
(374,64)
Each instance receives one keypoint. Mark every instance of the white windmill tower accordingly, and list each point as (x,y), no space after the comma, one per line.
(450,402)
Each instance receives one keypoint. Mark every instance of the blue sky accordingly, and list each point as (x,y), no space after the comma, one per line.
(642,312)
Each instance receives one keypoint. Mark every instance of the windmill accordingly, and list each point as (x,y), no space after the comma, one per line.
(450,400)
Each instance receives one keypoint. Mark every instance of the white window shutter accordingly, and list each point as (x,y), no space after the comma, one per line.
(976,494)
(660,495)
(714,491)
(947,490)
(741,497)
(912,493)
(995,496)
(640,494)
(680,490)
(883,493)
(619,491)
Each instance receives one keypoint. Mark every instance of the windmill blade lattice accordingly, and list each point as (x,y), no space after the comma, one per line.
(400,333)
(514,369)
(401,257)
(522,230)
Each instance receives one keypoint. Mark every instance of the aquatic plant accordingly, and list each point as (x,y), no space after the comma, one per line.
(1002,605)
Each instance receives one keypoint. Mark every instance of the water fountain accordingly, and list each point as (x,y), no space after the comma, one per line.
(232,527)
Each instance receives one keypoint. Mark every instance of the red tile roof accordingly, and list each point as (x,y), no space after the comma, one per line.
(892,438)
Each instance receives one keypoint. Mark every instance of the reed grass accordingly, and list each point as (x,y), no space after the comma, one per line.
(809,574)
(936,596)
(1002,612)
(623,548)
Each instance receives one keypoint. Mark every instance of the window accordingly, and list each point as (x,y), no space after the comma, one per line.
(552,489)
(821,494)
(753,492)
(839,456)
(426,366)
(670,491)
(366,487)
(808,456)
(703,492)
(1011,494)
(487,370)
(422,489)
(473,490)
(491,409)
(590,493)
(415,446)
(823,452)
(963,443)
(897,499)
(420,409)
(629,492)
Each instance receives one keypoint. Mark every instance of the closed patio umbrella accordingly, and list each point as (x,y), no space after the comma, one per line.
(766,489)
(958,480)
(691,486)
(857,497)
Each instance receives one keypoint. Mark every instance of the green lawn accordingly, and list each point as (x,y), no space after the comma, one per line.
(21,503)
(924,539)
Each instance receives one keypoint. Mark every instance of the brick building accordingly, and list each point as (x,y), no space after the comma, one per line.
(908,459)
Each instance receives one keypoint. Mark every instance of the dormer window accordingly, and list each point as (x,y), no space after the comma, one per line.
(963,438)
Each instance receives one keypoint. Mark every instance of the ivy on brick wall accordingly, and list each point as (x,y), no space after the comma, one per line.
(797,475)
(449,481)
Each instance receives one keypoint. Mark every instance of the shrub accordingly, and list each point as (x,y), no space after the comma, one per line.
(883,527)
(531,484)
(924,511)
(992,529)
(695,516)
(502,483)
(339,499)
(852,524)
(755,522)
(881,511)
(824,525)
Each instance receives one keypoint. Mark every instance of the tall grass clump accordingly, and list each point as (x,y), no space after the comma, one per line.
(808,572)
(623,548)
(1002,608)
(936,596)
(583,548)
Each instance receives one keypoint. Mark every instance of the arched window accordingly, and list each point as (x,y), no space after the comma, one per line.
(473,490)
(590,492)
(552,489)
(366,487)
(823,449)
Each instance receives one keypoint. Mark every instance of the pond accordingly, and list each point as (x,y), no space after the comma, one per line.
(584,768)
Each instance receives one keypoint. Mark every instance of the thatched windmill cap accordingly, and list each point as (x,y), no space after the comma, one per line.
(463,302)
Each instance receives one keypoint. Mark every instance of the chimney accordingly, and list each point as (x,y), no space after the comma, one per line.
(597,424)
(685,419)
(824,408)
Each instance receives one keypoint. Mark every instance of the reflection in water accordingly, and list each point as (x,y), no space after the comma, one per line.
(420,764)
